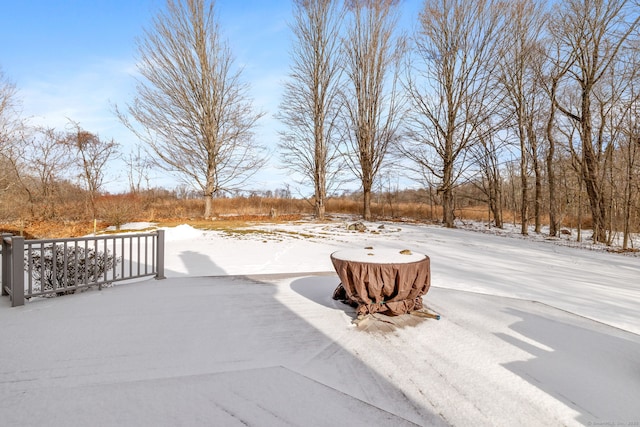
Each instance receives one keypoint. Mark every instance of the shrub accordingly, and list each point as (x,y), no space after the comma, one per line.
(118,210)
(82,267)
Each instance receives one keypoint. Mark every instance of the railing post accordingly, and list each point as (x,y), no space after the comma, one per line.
(160,255)
(6,264)
(17,271)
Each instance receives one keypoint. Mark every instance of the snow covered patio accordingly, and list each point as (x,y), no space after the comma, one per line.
(272,348)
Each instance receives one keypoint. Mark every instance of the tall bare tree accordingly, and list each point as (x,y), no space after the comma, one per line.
(191,106)
(550,83)
(309,107)
(449,87)
(521,51)
(631,153)
(630,147)
(92,155)
(372,51)
(593,35)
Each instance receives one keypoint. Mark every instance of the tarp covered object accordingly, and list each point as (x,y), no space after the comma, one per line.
(376,286)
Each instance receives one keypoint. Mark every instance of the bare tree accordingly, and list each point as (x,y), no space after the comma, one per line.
(373,110)
(613,100)
(8,109)
(521,51)
(552,69)
(40,163)
(488,155)
(593,36)
(138,166)
(10,128)
(630,147)
(551,88)
(631,153)
(92,155)
(192,107)
(309,107)
(449,87)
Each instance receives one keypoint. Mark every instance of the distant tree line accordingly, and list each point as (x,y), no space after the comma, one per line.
(532,103)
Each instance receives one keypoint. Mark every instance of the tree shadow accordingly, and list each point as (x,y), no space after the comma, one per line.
(591,367)
(213,350)
(198,264)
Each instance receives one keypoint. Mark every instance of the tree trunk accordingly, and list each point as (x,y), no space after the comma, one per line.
(366,212)
(596,204)
(579,238)
(495,211)
(537,208)
(431,204)
(524,220)
(319,208)
(208,198)
(208,206)
(448,216)
(627,211)
(496,203)
(553,207)
(631,155)
(320,189)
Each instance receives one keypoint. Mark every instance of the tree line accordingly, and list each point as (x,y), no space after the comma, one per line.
(525,99)
(477,88)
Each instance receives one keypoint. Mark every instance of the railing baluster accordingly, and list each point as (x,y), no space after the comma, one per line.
(95,260)
(115,258)
(42,268)
(86,262)
(75,262)
(138,256)
(4,281)
(105,269)
(65,264)
(146,250)
(29,268)
(17,271)
(122,259)
(154,242)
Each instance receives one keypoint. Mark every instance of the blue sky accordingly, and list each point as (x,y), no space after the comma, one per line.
(75,59)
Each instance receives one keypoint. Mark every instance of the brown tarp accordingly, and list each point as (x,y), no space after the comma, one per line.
(392,289)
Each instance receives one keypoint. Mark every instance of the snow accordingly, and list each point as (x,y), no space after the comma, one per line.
(244,332)
(370,254)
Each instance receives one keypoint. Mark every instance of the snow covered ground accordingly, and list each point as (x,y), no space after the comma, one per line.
(244,332)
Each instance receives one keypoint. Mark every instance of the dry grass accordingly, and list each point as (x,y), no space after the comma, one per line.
(51,229)
(228,223)
(235,213)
